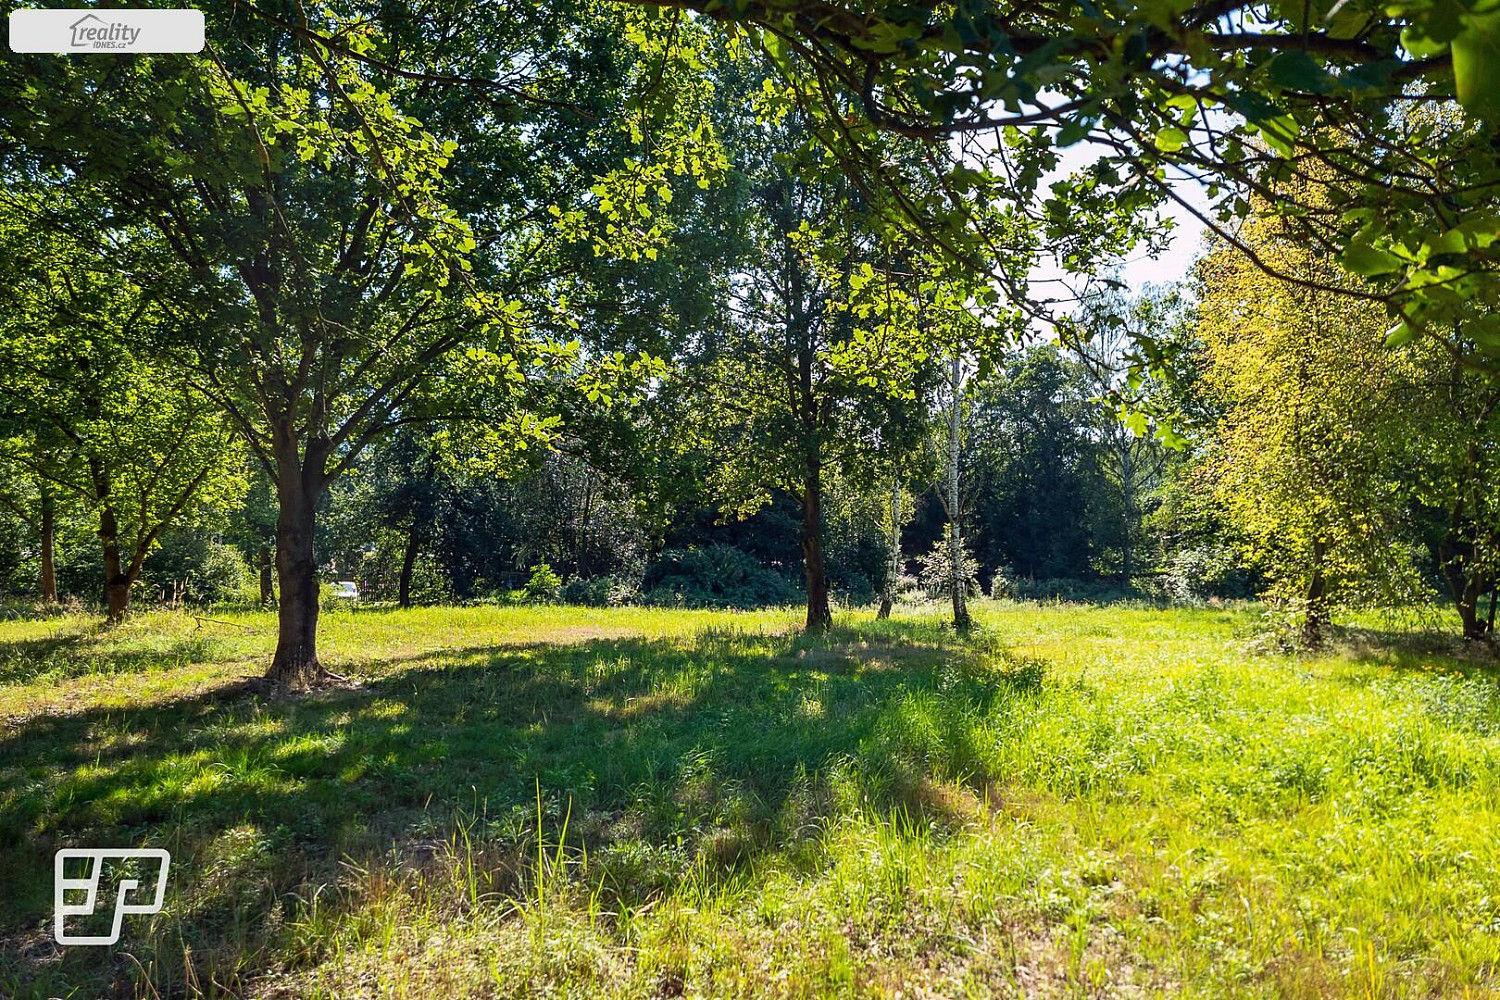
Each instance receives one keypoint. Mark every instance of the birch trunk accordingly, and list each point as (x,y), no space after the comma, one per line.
(957,584)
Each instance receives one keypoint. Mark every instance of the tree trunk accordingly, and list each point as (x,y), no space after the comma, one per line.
(1470,592)
(1127,495)
(819,615)
(1316,620)
(49,560)
(893,544)
(267,592)
(295,664)
(1465,583)
(958,584)
(116,581)
(408,561)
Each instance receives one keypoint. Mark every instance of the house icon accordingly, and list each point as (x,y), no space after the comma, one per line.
(85,22)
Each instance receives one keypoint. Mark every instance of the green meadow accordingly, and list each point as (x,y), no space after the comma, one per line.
(556,801)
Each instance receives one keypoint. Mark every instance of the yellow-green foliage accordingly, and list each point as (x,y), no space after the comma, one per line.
(1305,460)
(556,801)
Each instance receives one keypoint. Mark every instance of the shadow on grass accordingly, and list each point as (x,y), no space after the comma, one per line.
(666,755)
(96,650)
(1421,650)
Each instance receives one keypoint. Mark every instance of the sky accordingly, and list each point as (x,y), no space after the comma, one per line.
(1173,263)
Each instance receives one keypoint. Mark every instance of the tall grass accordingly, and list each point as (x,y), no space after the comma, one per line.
(572,802)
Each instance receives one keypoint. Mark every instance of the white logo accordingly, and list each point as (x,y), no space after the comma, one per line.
(90,884)
(107,30)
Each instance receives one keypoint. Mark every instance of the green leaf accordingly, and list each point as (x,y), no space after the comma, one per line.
(1170,140)
(1367,261)
(1401,333)
(1294,69)
(1420,44)
(1476,65)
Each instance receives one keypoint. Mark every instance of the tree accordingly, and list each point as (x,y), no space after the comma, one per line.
(897,512)
(1303,461)
(33,500)
(970,333)
(1245,96)
(1138,393)
(958,582)
(813,374)
(88,414)
(1032,468)
(331,290)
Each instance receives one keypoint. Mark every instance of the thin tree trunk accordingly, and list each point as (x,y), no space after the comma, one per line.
(819,614)
(1127,491)
(408,561)
(49,560)
(893,544)
(580,544)
(295,663)
(1316,620)
(957,583)
(1464,582)
(116,582)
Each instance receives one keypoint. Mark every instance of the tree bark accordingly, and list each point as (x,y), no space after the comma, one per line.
(1127,495)
(1465,583)
(1468,591)
(1316,620)
(295,663)
(49,560)
(267,591)
(408,561)
(893,544)
(819,614)
(958,585)
(116,581)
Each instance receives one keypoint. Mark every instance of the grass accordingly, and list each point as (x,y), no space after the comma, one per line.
(572,802)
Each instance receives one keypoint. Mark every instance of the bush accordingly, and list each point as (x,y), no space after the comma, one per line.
(1195,575)
(597,591)
(854,588)
(544,587)
(1070,590)
(196,569)
(935,575)
(714,576)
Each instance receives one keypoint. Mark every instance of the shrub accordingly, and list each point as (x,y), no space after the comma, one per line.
(935,575)
(853,588)
(1075,591)
(1194,575)
(198,570)
(597,591)
(714,576)
(544,587)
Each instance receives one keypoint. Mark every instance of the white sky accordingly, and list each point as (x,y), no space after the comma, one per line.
(1173,263)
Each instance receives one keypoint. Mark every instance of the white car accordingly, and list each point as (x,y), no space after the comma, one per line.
(345,590)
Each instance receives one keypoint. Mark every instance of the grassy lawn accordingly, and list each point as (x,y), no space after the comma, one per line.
(572,802)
